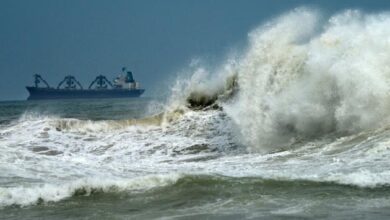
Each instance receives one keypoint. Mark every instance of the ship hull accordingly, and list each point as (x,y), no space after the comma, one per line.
(51,93)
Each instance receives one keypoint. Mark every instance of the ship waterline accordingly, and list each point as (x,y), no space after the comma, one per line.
(52,93)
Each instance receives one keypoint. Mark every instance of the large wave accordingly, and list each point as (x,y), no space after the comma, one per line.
(303,77)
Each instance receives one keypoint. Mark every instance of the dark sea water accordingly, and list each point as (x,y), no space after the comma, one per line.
(90,159)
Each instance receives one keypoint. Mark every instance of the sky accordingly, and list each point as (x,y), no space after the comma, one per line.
(156,39)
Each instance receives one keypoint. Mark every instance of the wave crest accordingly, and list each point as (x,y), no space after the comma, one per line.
(24,196)
(301,79)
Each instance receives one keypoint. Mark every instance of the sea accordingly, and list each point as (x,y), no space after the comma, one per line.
(294,126)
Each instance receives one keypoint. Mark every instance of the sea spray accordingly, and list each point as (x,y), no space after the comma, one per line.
(301,78)
(336,82)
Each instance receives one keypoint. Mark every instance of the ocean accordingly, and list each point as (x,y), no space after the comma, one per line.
(296,126)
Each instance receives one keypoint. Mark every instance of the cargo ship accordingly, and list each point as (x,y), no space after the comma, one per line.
(123,86)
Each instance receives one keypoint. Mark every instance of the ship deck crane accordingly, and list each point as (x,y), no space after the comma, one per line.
(38,79)
(70,83)
(101,83)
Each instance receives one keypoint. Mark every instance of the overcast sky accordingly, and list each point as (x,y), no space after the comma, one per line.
(155,39)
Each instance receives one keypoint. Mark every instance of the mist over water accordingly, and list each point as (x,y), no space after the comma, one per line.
(295,125)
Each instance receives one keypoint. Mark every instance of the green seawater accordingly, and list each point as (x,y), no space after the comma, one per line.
(214,197)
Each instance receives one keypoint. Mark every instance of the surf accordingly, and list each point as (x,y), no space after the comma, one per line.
(302,77)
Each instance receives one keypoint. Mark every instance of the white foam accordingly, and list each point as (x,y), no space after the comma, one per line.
(36,152)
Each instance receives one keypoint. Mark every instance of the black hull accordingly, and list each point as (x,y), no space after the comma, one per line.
(51,93)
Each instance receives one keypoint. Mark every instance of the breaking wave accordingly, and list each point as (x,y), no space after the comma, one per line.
(53,193)
(301,78)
